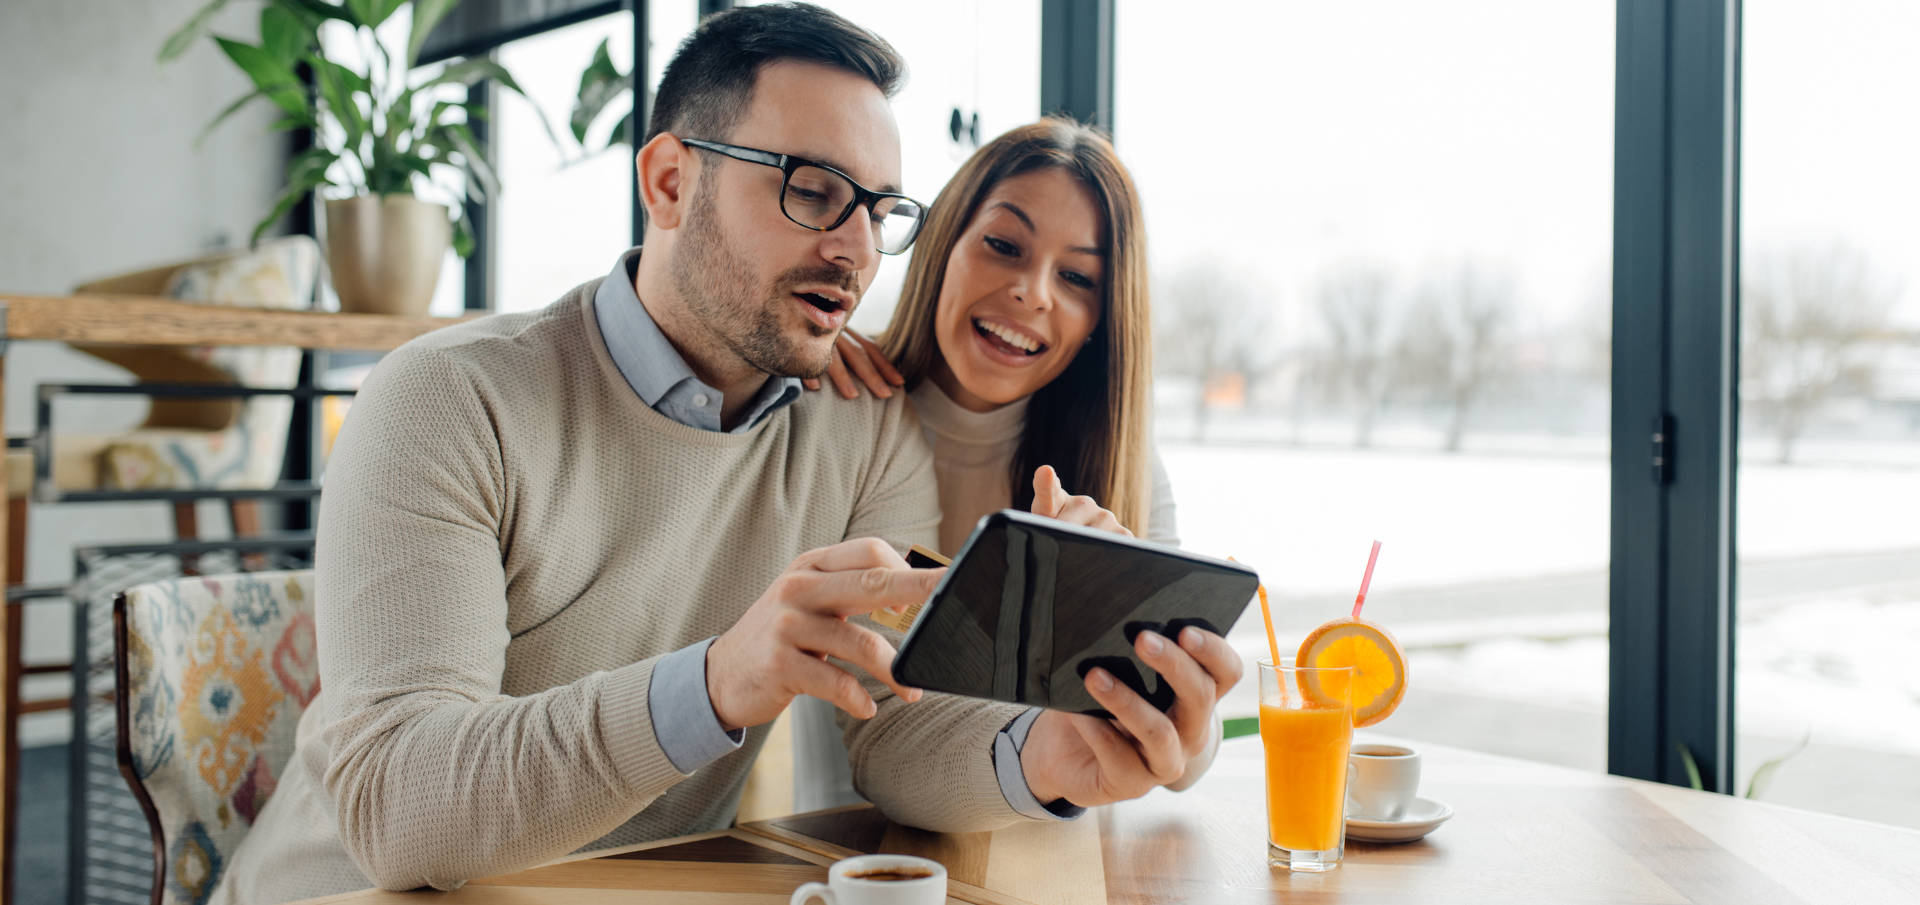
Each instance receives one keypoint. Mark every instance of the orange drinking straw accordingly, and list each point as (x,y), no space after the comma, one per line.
(1364,581)
(1266,614)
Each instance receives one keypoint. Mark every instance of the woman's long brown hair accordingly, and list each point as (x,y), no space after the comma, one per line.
(1092,422)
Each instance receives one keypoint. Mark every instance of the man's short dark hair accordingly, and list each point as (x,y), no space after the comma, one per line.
(709,85)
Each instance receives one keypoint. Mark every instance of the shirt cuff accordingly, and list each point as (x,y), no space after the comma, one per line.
(1007,746)
(682,712)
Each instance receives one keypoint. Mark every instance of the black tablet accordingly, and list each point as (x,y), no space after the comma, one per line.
(1031,604)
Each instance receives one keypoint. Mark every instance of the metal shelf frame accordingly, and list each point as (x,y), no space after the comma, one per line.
(41,442)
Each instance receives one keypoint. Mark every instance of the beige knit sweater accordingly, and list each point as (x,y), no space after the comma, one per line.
(508,542)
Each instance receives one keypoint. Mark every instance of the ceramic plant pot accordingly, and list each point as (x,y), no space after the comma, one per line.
(385,252)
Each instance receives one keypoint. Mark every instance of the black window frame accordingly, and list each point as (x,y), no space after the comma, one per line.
(1676,329)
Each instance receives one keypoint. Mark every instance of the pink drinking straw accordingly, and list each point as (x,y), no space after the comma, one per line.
(1361,600)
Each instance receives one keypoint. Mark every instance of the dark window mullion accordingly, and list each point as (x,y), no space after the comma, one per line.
(479,264)
(1076,60)
(1675,329)
(642,110)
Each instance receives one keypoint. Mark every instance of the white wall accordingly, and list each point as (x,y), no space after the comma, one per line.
(99,175)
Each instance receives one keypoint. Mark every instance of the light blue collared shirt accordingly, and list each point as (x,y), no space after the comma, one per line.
(655,369)
(682,712)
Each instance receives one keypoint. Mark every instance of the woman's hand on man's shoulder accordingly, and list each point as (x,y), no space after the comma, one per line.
(855,356)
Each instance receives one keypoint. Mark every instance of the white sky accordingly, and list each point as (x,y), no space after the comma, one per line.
(1832,131)
(1413,133)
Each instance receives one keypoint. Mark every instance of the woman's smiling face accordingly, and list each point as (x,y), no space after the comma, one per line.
(1023,290)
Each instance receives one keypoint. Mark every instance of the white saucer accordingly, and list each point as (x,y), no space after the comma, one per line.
(1423,817)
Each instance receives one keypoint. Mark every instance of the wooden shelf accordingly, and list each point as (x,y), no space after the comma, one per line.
(154,321)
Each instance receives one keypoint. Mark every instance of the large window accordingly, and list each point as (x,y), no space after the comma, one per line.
(1829,580)
(1381,235)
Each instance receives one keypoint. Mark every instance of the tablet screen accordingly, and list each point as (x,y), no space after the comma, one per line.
(1031,604)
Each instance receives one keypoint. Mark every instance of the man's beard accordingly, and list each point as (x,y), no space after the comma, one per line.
(718,286)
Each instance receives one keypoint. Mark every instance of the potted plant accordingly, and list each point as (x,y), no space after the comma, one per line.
(381,126)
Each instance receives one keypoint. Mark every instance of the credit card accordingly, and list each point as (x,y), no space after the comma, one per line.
(920,558)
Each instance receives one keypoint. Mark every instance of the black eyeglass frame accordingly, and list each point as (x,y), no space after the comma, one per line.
(787,163)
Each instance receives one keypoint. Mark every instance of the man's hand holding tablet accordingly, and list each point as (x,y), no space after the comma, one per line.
(1091,761)
(778,649)
(1063,757)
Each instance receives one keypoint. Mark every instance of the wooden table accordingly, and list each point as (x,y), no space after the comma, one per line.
(1522,832)
(151,321)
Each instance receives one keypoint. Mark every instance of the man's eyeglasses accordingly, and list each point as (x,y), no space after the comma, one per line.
(821,198)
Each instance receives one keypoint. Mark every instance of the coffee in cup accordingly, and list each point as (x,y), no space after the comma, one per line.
(879,880)
(892,875)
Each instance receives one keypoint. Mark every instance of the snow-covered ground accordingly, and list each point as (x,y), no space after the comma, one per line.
(1836,666)
(1836,662)
(1305,518)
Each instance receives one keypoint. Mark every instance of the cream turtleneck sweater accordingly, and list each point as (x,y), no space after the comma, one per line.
(972,452)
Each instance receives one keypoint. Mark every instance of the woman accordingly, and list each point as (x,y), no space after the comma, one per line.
(1024,337)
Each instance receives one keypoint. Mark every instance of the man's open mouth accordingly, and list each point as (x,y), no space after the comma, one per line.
(829,305)
(1008,340)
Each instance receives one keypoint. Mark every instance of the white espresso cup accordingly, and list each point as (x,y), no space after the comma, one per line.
(1382,781)
(879,880)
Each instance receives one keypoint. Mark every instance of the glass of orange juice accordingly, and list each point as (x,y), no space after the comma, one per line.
(1306,725)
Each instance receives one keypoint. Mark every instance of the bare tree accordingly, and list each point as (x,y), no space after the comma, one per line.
(1212,322)
(1810,315)
(1593,332)
(1455,340)
(1356,306)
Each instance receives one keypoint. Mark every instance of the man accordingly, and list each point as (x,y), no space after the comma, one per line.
(573,562)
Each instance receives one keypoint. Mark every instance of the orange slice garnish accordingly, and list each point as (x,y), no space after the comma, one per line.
(1379,666)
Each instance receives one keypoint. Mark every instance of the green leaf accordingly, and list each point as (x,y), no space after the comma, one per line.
(305,173)
(463,234)
(417,164)
(373,12)
(1234,728)
(1693,769)
(336,88)
(320,9)
(290,123)
(439,110)
(473,69)
(231,110)
(479,171)
(274,78)
(600,84)
(311,166)
(622,131)
(426,14)
(1763,777)
(179,41)
(284,34)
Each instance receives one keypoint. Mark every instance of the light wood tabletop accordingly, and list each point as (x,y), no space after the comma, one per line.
(1521,832)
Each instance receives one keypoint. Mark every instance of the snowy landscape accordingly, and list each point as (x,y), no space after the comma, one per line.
(1493,576)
